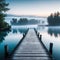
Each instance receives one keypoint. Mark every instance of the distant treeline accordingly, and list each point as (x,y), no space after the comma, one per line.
(23,21)
(54,19)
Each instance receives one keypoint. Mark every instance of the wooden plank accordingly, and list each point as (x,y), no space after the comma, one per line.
(30,49)
(31,58)
(30,55)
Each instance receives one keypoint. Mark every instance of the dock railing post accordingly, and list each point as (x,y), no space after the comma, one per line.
(6,51)
(37,34)
(23,35)
(51,48)
(40,37)
(35,31)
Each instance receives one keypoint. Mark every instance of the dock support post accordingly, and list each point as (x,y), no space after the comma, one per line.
(36,31)
(37,34)
(50,48)
(6,51)
(40,37)
(23,35)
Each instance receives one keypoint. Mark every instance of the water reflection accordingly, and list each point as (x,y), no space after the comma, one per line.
(41,27)
(14,30)
(22,30)
(3,35)
(19,30)
(11,38)
(54,31)
(51,34)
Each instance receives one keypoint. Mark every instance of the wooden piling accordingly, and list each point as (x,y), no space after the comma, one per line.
(38,34)
(36,31)
(24,35)
(51,48)
(6,51)
(40,37)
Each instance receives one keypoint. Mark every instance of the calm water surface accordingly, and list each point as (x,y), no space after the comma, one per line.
(49,35)
(10,38)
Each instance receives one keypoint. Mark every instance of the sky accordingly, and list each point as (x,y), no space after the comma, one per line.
(33,7)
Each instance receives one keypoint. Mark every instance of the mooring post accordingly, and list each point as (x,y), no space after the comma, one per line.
(40,37)
(38,34)
(36,31)
(6,51)
(23,34)
(51,48)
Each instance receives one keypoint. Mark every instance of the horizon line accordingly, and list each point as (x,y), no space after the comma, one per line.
(27,15)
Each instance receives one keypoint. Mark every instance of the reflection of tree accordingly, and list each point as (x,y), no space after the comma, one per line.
(2,35)
(54,31)
(22,30)
(19,30)
(14,30)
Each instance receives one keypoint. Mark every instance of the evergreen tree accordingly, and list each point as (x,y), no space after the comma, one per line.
(54,19)
(3,9)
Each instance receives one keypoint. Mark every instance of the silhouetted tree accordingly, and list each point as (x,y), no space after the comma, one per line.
(23,21)
(3,9)
(54,19)
(50,19)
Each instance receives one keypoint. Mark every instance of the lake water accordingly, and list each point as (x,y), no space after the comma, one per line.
(10,38)
(49,35)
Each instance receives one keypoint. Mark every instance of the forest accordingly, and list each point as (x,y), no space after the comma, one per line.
(54,19)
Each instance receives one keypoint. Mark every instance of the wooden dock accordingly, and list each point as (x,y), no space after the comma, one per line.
(30,49)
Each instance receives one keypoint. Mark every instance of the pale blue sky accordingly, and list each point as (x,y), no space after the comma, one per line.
(33,7)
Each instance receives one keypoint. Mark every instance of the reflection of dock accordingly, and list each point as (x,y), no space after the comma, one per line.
(30,49)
